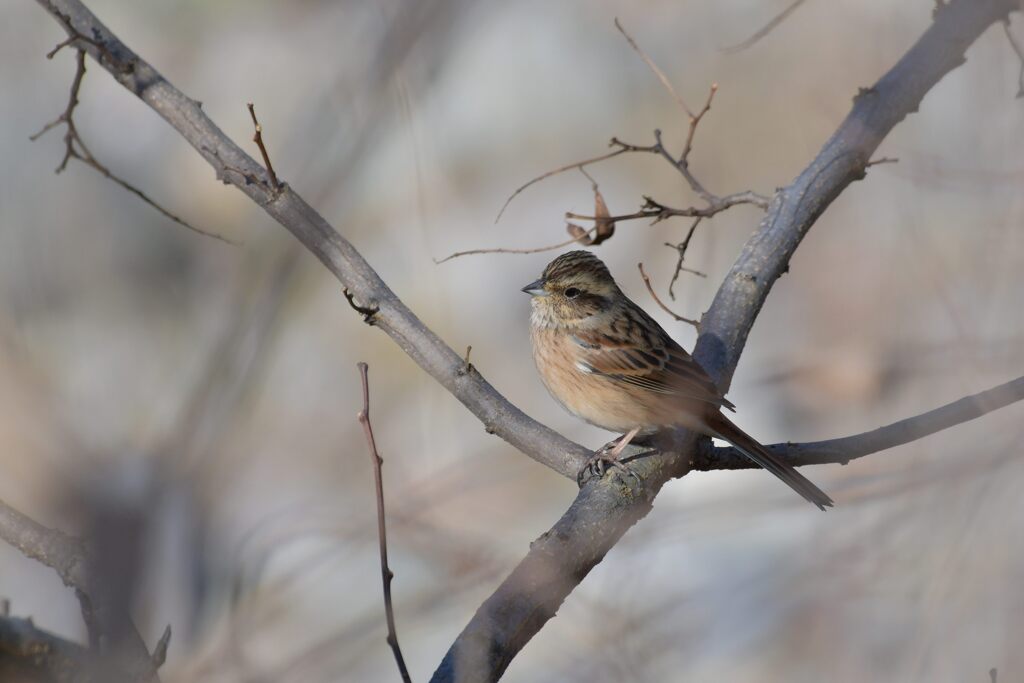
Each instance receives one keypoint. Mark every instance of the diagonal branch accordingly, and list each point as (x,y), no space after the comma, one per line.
(842,160)
(232,165)
(848,448)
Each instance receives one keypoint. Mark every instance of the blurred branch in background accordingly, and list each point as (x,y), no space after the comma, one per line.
(772,24)
(116,651)
(1019,51)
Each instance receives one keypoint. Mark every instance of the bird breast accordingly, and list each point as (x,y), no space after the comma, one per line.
(599,400)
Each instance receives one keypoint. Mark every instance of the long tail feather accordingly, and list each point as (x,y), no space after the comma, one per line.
(721,427)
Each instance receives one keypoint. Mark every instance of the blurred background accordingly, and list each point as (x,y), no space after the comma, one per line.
(207,392)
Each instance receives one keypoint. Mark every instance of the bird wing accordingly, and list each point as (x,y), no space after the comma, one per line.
(641,354)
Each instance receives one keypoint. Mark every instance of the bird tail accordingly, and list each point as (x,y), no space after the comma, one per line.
(720,426)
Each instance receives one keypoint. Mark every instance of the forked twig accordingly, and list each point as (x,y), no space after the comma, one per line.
(681,252)
(75,147)
(378,480)
(684,163)
(650,288)
(651,209)
(535,250)
(561,169)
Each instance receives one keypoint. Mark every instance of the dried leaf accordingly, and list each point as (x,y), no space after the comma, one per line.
(582,235)
(605,227)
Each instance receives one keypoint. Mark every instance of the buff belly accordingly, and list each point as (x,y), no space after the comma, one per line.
(601,401)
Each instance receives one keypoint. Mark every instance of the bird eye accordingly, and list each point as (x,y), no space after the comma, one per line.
(572,292)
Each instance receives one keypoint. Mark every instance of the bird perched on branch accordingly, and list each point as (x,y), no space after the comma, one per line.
(606,361)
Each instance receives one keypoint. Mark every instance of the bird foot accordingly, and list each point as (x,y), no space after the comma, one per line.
(604,460)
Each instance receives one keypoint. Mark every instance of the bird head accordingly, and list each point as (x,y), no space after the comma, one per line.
(573,289)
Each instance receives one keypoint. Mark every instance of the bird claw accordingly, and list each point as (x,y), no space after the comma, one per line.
(603,461)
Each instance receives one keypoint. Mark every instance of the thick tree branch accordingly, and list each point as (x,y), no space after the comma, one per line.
(605,510)
(843,159)
(234,166)
(849,448)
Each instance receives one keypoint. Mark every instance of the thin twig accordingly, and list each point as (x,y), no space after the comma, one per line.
(1020,56)
(378,480)
(75,147)
(659,212)
(650,288)
(688,145)
(103,52)
(882,160)
(766,29)
(556,171)
(681,252)
(535,250)
(258,139)
(654,67)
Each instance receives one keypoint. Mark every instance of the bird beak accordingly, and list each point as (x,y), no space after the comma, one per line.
(535,288)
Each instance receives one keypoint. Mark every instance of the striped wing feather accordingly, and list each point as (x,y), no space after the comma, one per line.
(648,361)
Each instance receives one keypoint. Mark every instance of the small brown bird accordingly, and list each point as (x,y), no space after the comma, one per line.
(606,361)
